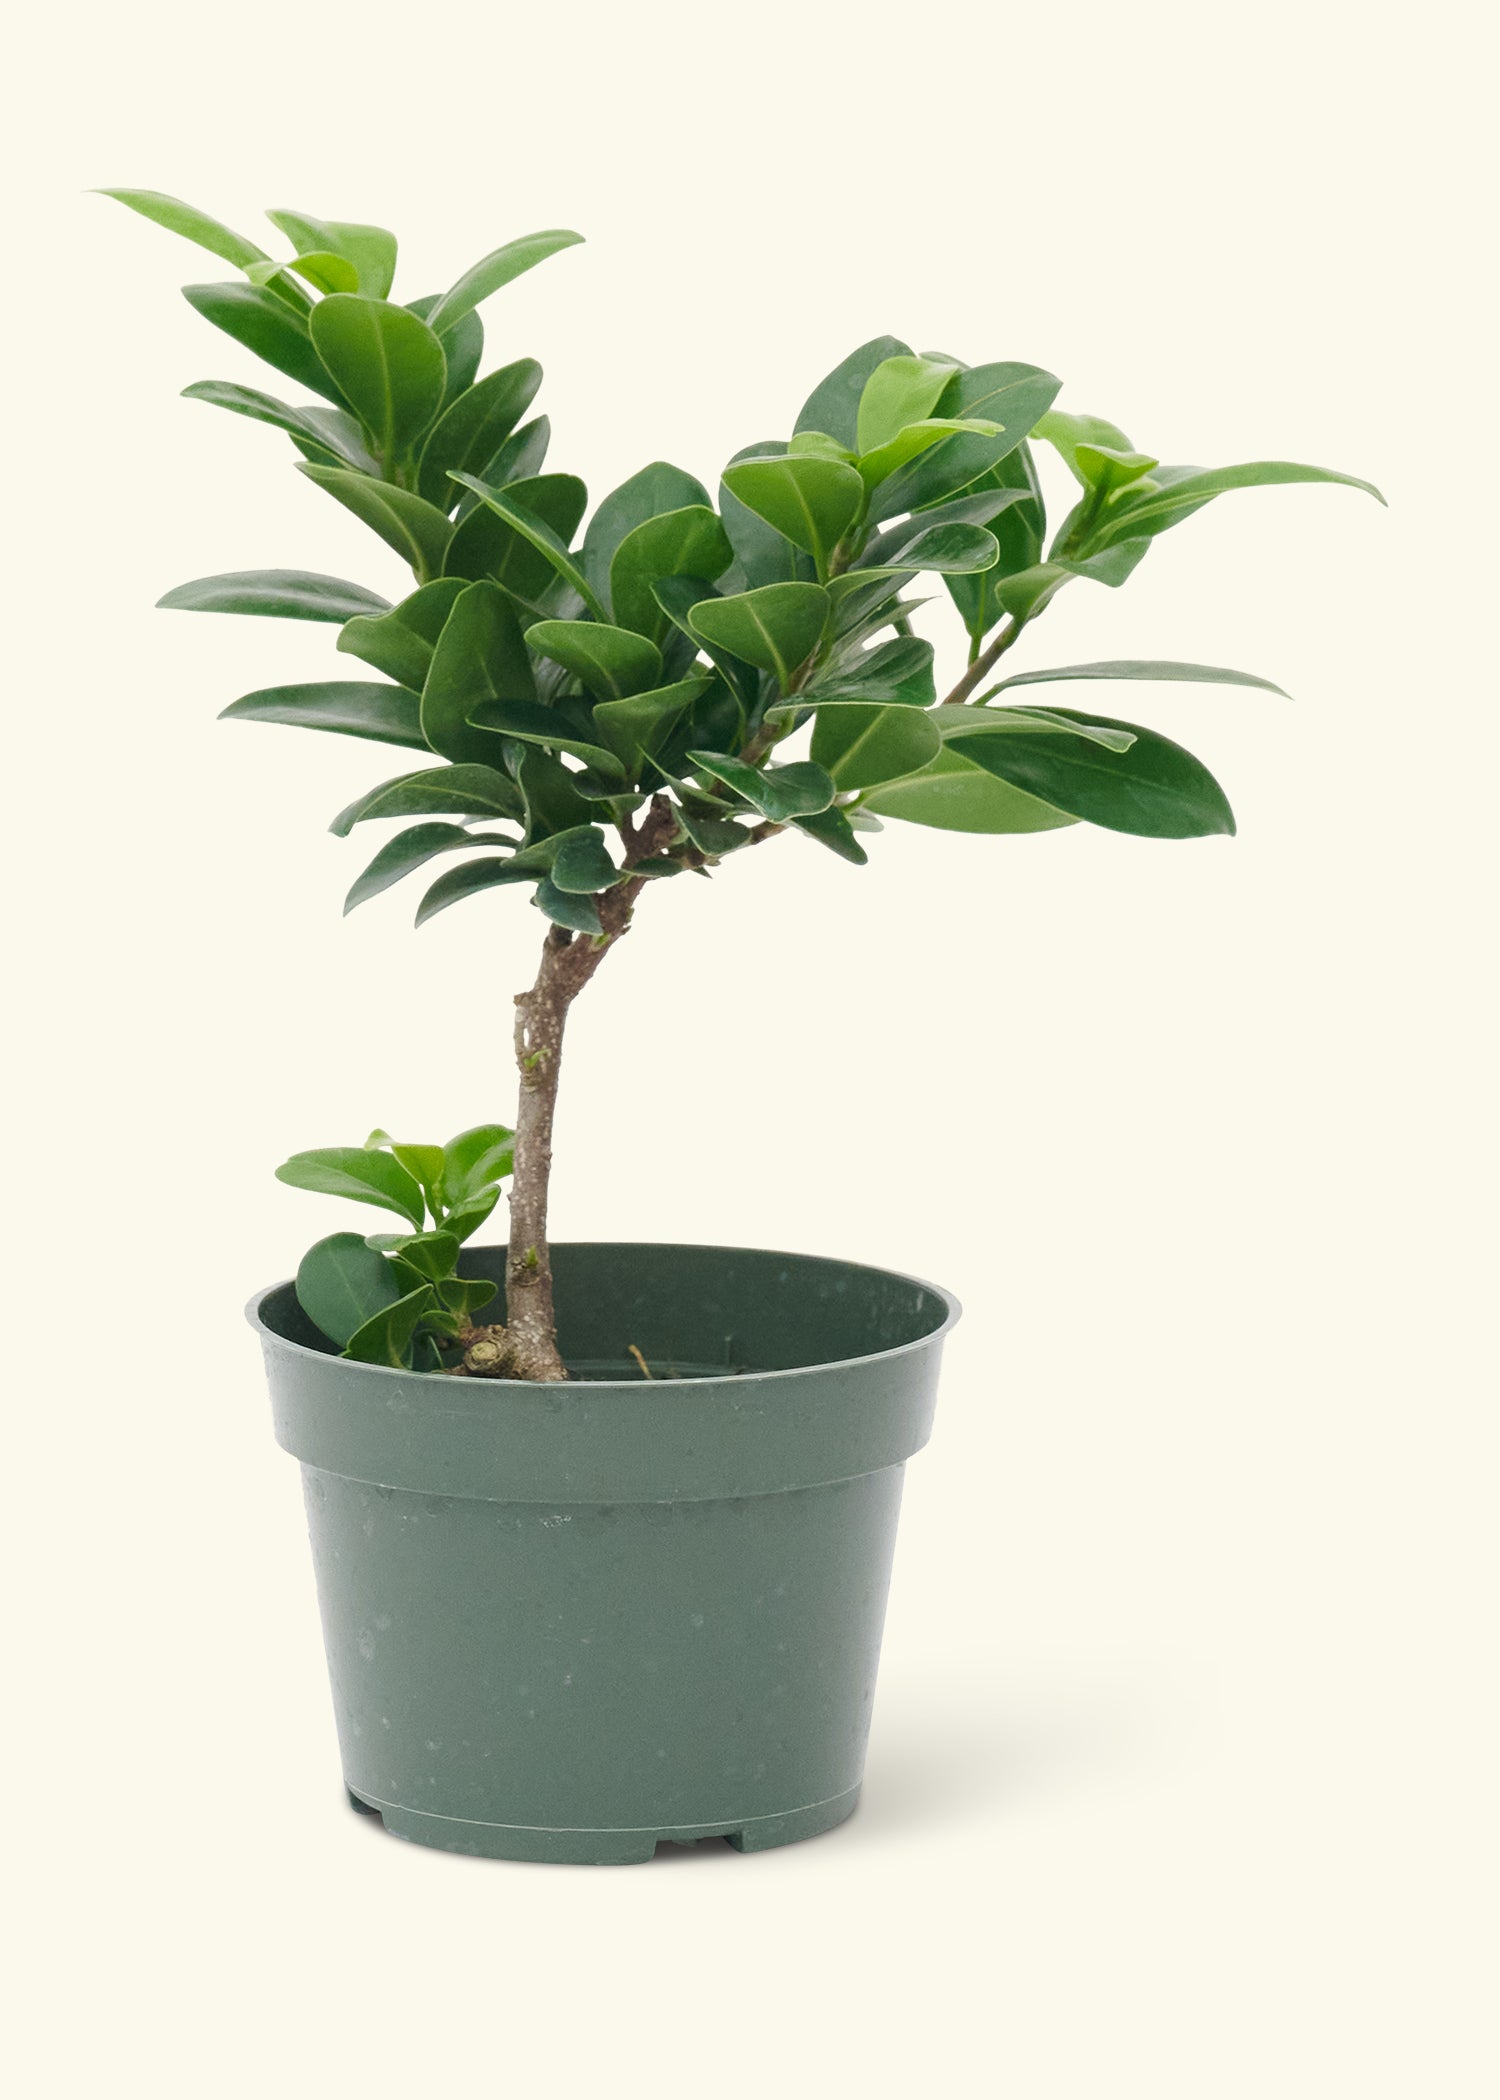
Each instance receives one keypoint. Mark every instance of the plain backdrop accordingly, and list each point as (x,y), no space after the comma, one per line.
(1182,1769)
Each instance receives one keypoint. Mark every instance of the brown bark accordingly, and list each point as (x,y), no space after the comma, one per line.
(569,960)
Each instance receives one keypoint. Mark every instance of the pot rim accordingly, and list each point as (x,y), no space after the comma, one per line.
(953,1312)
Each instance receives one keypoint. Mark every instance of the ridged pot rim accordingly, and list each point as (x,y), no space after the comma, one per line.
(598,1387)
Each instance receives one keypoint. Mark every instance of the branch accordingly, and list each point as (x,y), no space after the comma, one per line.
(984,663)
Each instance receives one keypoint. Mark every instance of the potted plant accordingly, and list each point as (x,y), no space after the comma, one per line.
(603,1531)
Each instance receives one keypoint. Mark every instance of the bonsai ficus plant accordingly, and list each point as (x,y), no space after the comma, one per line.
(596,702)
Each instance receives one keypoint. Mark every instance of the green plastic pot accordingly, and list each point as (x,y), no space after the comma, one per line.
(567,1622)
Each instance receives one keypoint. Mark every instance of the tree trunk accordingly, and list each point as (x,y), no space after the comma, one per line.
(569,960)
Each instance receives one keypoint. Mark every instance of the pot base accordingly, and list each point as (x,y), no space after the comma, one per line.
(601,1848)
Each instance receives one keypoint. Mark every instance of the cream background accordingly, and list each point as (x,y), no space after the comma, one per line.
(1182,1776)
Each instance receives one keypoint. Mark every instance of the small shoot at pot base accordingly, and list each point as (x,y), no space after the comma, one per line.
(596,700)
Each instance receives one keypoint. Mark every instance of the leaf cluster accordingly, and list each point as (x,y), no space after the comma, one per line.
(557,668)
(397,1298)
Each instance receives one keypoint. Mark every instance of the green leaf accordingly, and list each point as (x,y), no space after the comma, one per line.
(654,491)
(1013,395)
(1018,529)
(370,249)
(686,542)
(833,405)
(1190,674)
(465,881)
(635,726)
(192,224)
(475,1159)
(876,468)
(400,642)
(342,1283)
(327,272)
(386,363)
(386,714)
(953,794)
(776,628)
(761,555)
(1065,433)
(431,1254)
(387,1337)
(578,914)
(611,661)
(528,545)
(583,866)
(497,268)
(863,747)
(677,596)
(550,729)
(1145,512)
(971,720)
(412,849)
(520,458)
(778,792)
(330,429)
(1154,790)
(463,345)
(831,828)
(266,325)
(418,531)
(900,391)
(362,1175)
(811,502)
(471,432)
(479,657)
(285,594)
(440,791)
(898,672)
(942,550)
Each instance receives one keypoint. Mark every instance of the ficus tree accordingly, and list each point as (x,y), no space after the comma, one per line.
(597,701)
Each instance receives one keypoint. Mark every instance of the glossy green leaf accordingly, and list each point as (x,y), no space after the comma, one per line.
(652,493)
(330,429)
(386,363)
(386,714)
(898,672)
(1065,432)
(761,555)
(611,661)
(412,849)
(550,729)
(776,628)
(479,657)
(497,268)
(862,747)
(583,866)
(1154,790)
(878,467)
(284,594)
(400,642)
(901,390)
(942,550)
(520,458)
(778,792)
(1122,667)
(1019,530)
(636,725)
(255,318)
(474,1160)
(370,249)
(953,794)
(430,1254)
(439,791)
(831,828)
(1014,396)
(686,542)
(327,272)
(364,1176)
(473,428)
(342,1283)
(554,804)
(677,596)
(192,224)
(578,914)
(957,723)
(528,545)
(811,502)
(463,346)
(386,1338)
(1145,512)
(833,405)
(466,881)
(416,530)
